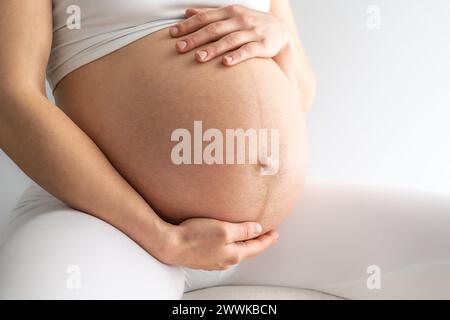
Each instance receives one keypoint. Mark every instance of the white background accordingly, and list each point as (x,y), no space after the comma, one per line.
(382,113)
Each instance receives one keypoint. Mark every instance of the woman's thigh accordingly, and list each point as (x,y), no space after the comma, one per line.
(51,251)
(359,242)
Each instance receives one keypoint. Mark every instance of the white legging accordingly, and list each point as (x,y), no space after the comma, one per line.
(335,233)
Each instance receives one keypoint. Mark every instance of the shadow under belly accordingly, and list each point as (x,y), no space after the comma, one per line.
(132,101)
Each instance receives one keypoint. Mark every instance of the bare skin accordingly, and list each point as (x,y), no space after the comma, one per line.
(87,148)
(155,106)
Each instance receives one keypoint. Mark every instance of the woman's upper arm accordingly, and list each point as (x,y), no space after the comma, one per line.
(26,38)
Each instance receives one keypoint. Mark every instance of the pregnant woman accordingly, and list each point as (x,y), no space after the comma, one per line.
(176,149)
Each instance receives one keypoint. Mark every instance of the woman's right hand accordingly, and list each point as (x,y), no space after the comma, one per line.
(209,244)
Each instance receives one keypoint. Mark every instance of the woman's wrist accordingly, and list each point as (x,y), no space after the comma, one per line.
(162,241)
(171,250)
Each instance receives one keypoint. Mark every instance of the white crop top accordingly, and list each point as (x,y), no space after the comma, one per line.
(86,30)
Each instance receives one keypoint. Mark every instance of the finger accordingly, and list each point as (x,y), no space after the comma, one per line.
(241,231)
(250,248)
(247,51)
(197,21)
(227,43)
(193,11)
(211,32)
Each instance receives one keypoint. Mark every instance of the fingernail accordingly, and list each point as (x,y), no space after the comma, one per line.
(202,54)
(181,45)
(228,59)
(258,228)
(174,31)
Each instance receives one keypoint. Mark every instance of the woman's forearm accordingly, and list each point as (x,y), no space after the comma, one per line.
(292,58)
(299,74)
(60,157)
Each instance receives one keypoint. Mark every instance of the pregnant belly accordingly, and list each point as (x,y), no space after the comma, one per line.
(171,127)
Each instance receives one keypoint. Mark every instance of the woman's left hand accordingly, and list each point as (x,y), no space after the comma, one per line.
(236,32)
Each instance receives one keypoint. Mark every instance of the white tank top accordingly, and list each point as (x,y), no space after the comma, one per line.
(86,30)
